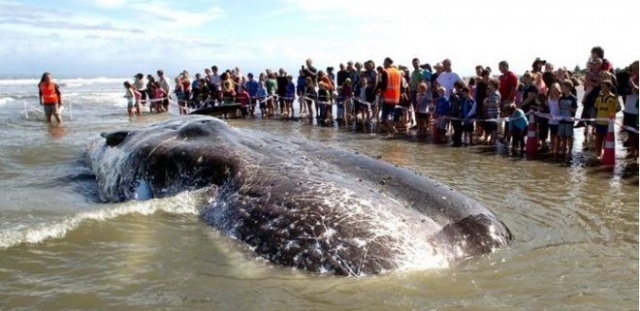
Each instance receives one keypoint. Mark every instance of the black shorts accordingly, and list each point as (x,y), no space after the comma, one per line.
(422,116)
(263,105)
(467,127)
(630,120)
(602,128)
(553,128)
(543,129)
(387,109)
(490,126)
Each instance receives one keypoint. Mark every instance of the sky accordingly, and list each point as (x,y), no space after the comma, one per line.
(121,37)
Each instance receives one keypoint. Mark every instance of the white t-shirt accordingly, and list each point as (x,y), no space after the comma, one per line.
(165,85)
(630,104)
(554,110)
(446,80)
(215,79)
(140,84)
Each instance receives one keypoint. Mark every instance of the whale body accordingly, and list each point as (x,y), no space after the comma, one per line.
(296,202)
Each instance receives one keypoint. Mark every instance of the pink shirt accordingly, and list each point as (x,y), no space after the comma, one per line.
(160,93)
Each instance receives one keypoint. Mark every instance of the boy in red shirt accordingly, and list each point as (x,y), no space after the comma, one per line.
(508,90)
(243,98)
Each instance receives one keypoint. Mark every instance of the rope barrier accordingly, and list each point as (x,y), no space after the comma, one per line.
(539,114)
(38,111)
(628,128)
(261,99)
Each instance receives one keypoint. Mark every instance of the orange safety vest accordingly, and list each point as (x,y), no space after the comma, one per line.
(49,94)
(391,92)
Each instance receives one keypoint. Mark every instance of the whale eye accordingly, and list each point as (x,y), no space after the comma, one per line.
(115,138)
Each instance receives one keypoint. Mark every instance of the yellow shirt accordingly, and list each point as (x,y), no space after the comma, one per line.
(606,105)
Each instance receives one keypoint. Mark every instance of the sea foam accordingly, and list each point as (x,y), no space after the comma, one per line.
(185,203)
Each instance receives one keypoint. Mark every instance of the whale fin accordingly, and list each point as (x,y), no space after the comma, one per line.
(474,235)
(115,138)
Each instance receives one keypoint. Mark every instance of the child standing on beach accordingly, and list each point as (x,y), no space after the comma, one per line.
(290,95)
(606,104)
(368,96)
(261,97)
(130,96)
(344,106)
(228,89)
(424,102)
(442,113)
(323,102)
(492,105)
(468,107)
(310,96)
(567,104)
(243,98)
(541,105)
(554,112)
(519,125)
(271,92)
(178,91)
(301,87)
(159,93)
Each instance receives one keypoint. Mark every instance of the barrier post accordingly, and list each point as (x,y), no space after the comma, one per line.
(435,129)
(532,137)
(609,155)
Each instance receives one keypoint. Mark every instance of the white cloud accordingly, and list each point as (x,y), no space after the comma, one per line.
(165,12)
(137,35)
(474,32)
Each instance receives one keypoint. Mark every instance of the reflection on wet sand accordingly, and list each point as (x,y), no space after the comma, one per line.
(56,131)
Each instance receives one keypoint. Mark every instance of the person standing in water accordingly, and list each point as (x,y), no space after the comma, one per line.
(50,97)
(133,99)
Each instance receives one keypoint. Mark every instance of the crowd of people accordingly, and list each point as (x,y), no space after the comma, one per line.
(425,100)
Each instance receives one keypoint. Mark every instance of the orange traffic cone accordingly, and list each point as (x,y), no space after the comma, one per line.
(532,138)
(609,155)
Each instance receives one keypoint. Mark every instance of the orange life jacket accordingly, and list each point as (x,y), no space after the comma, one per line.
(49,94)
(391,92)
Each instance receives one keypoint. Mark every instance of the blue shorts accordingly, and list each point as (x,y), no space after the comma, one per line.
(387,109)
(565,129)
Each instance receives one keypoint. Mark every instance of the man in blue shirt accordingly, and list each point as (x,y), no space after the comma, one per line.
(252,88)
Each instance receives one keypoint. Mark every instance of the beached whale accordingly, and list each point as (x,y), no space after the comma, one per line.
(299,203)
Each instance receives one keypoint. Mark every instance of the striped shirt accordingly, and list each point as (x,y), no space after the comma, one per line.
(493,105)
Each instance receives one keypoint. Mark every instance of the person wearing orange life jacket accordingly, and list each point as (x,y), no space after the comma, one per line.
(390,83)
(50,97)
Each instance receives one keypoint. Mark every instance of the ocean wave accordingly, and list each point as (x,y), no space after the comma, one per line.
(78,82)
(6,100)
(19,81)
(73,82)
(184,203)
